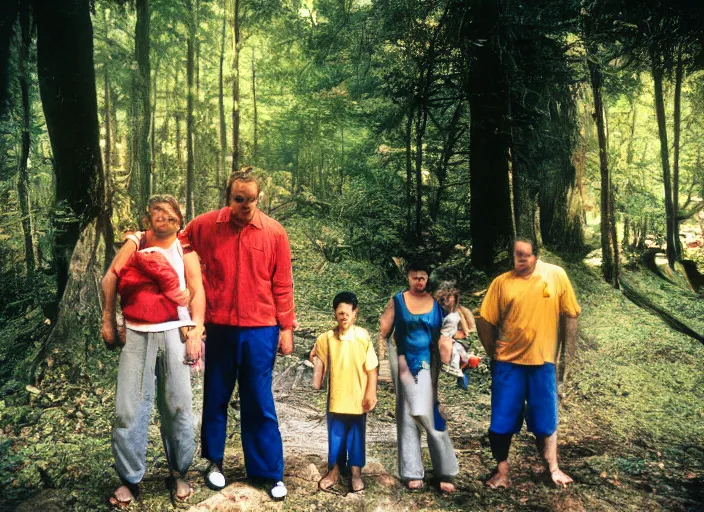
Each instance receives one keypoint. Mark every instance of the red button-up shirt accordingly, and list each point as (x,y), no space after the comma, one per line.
(246,272)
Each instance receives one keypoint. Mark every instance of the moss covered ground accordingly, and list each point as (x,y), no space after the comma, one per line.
(630,434)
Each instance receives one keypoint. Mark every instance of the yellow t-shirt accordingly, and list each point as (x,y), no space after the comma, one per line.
(348,358)
(527,313)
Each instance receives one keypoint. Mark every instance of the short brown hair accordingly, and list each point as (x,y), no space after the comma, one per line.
(162,198)
(245,175)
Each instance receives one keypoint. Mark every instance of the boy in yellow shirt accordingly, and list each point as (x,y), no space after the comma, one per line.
(348,354)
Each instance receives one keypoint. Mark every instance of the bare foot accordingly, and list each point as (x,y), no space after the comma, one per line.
(122,497)
(560,479)
(182,489)
(329,479)
(356,482)
(414,485)
(447,487)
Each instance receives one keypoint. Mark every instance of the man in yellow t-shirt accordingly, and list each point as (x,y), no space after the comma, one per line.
(518,326)
(348,354)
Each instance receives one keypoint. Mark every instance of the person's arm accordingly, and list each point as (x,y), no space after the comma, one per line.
(488,334)
(318,372)
(467,320)
(109,330)
(370,398)
(194,281)
(319,360)
(386,327)
(569,311)
(570,337)
(489,318)
(282,289)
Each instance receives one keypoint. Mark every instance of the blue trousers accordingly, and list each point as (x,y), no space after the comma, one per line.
(346,439)
(245,355)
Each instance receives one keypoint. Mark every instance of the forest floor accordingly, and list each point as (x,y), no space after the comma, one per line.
(630,432)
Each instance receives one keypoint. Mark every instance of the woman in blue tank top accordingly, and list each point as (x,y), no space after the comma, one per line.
(415,319)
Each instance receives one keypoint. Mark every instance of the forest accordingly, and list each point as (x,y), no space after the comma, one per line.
(384,130)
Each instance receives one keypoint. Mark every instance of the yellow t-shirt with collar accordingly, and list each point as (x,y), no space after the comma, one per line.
(527,310)
(347,358)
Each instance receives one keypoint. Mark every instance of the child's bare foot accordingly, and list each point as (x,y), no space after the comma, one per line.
(356,482)
(560,479)
(330,479)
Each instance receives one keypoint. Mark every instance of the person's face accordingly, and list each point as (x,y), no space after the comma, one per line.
(163,219)
(448,302)
(523,258)
(243,201)
(417,280)
(345,315)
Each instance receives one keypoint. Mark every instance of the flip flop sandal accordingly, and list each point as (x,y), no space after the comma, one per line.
(412,489)
(120,504)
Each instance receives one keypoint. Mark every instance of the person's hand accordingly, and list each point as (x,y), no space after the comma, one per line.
(369,402)
(285,341)
(194,345)
(381,342)
(113,335)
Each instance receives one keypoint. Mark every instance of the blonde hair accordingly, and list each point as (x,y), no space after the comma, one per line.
(162,198)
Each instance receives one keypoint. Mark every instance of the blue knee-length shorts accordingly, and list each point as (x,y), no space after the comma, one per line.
(519,391)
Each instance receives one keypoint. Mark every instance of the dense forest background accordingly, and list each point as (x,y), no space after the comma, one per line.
(405,126)
(383,129)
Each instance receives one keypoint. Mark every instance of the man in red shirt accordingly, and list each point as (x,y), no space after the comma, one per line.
(246,262)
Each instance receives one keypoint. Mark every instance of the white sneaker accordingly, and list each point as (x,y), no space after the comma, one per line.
(214,477)
(278,492)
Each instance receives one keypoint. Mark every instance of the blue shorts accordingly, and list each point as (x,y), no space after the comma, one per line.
(346,439)
(523,390)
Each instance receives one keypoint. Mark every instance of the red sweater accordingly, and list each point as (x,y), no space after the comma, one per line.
(145,285)
(246,272)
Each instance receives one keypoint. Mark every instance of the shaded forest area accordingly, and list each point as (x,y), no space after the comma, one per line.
(383,128)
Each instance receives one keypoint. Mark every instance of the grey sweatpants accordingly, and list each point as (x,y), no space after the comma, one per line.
(149,363)
(415,410)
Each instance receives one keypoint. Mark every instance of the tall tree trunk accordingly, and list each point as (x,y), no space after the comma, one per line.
(236,86)
(677,114)
(607,256)
(451,134)
(490,202)
(613,237)
(421,123)
(190,64)
(177,121)
(117,156)
(670,213)
(221,167)
(152,128)
(108,133)
(23,175)
(342,160)
(8,15)
(143,104)
(409,169)
(255,120)
(67,87)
